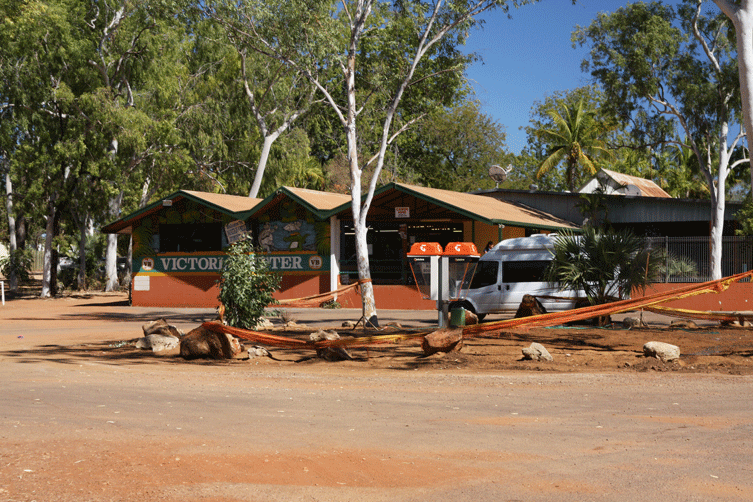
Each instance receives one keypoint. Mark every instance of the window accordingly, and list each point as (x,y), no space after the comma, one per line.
(524,271)
(486,274)
(190,238)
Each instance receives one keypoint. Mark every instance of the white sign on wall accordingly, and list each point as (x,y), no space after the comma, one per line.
(141,283)
(402,212)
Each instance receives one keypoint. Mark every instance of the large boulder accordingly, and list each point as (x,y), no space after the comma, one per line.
(443,340)
(660,350)
(203,343)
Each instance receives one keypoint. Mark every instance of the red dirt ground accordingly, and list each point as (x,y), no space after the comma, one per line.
(86,416)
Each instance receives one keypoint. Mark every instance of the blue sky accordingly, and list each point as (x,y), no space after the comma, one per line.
(529,57)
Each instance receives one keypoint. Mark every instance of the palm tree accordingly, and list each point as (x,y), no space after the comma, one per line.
(607,266)
(577,138)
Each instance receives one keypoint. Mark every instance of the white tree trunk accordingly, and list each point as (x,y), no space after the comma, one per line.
(47,266)
(81,279)
(719,202)
(111,255)
(262,165)
(742,17)
(13,245)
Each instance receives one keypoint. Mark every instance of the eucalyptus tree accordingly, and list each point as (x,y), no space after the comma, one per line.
(453,149)
(740,12)
(82,78)
(366,58)
(276,92)
(667,66)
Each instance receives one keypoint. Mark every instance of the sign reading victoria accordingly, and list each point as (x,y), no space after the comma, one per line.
(278,262)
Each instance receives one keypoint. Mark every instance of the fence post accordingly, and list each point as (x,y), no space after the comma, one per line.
(666,259)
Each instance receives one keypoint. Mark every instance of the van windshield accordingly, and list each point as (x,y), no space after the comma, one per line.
(524,271)
(486,274)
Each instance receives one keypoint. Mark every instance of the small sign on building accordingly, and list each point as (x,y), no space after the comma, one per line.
(235,230)
(402,212)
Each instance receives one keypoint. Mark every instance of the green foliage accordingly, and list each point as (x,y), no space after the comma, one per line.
(246,285)
(745,217)
(453,149)
(576,139)
(19,261)
(607,266)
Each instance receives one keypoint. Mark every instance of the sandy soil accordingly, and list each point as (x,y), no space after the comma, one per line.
(86,416)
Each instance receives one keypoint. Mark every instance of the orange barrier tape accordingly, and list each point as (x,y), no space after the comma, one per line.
(707,316)
(556,318)
(316,300)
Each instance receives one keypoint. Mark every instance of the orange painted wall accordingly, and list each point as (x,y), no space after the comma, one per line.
(199,291)
(390,297)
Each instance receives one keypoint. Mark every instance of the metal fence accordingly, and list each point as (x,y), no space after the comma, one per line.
(688,259)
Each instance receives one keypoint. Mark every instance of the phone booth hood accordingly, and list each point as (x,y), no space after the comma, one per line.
(442,274)
(423,259)
(462,258)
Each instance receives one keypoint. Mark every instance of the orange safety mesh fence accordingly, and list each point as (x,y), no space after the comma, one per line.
(557,318)
(703,315)
(297,343)
(316,300)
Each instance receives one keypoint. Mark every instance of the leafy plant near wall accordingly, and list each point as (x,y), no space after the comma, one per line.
(246,285)
(607,266)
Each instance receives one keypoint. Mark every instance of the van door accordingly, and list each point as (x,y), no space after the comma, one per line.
(485,291)
(520,278)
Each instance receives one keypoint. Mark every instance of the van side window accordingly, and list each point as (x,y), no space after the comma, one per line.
(486,274)
(524,271)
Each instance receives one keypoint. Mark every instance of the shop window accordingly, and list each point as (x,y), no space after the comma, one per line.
(190,238)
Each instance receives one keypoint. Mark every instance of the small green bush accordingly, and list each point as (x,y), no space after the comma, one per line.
(246,285)
(20,262)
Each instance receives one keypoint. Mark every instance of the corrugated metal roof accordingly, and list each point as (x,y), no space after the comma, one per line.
(492,211)
(647,187)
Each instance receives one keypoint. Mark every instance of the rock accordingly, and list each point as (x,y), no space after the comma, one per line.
(529,306)
(470,318)
(537,352)
(443,340)
(330,353)
(660,350)
(349,324)
(160,327)
(257,351)
(203,343)
(632,322)
(157,343)
(264,323)
(683,324)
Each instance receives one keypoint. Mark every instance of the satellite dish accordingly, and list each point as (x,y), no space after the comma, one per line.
(499,173)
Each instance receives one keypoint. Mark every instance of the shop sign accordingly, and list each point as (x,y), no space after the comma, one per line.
(278,262)
(402,212)
(235,230)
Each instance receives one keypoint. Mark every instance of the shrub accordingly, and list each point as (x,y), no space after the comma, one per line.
(20,262)
(246,285)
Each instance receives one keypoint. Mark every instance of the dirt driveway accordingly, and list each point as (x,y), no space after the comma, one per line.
(84,416)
